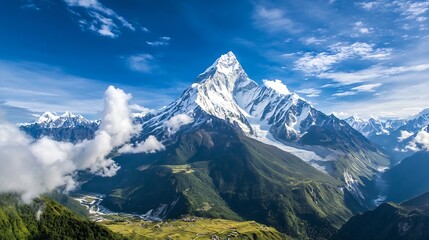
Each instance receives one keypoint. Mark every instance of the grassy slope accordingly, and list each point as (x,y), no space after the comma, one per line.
(19,221)
(200,229)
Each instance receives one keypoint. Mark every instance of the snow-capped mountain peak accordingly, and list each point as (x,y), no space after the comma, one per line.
(47,117)
(68,115)
(67,119)
(368,127)
(225,91)
(226,64)
(422,116)
(354,118)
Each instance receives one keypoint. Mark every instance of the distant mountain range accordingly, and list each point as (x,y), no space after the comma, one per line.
(65,127)
(394,136)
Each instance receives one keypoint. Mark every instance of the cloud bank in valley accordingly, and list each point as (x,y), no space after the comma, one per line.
(33,167)
(150,145)
(420,141)
(174,123)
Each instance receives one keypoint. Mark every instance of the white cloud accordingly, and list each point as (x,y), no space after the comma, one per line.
(346,93)
(29,5)
(141,62)
(341,115)
(405,135)
(413,9)
(140,109)
(399,99)
(321,62)
(174,123)
(98,18)
(105,30)
(367,87)
(420,142)
(273,20)
(276,85)
(150,145)
(75,94)
(310,92)
(33,167)
(163,41)
(313,40)
(377,72)
(360,27)
(369,5)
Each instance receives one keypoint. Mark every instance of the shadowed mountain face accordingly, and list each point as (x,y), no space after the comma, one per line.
(408,178)
(409,220)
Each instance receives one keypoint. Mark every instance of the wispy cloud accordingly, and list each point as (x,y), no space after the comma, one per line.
(408,10)
(361,28)
(98,18)
(413,10)
(22,98)
(369,5)
(346,93)
(376,72)
(141,62)
(313,40)
(358,89)
(29,5)
(273,20)
(162,41)
(316,63)
(310,92)
(367,87)
(399,99)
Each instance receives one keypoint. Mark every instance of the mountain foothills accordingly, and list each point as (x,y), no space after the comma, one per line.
(408,178)
(233,149)
(46,219)
(408,220)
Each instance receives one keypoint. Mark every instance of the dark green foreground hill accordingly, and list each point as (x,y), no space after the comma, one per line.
(408,220)
(46,219)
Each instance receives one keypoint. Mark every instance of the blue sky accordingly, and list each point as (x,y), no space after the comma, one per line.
(368,58)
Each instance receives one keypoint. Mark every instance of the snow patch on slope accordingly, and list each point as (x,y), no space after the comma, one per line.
(352,185)
(262,134)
